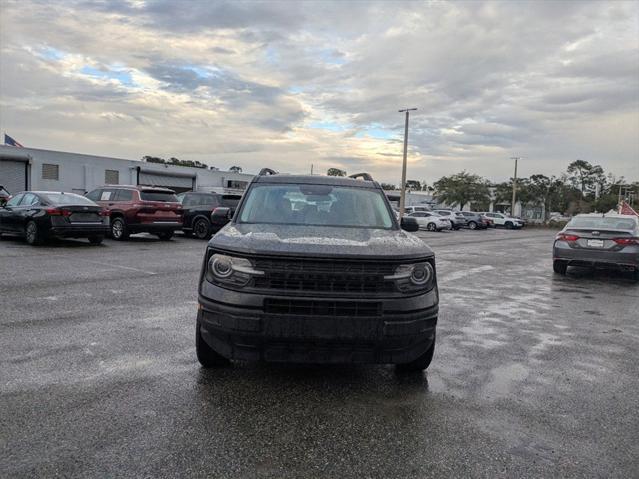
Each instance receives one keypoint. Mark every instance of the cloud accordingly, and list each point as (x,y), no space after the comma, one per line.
(288,85)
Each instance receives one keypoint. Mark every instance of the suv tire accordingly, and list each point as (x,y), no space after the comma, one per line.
(419,364)
(560,267)
(119,231)
(431,227)
(96,239)
(165,236)
(207,357)
(32,234)
(472,225)
(508,225)
(202,228)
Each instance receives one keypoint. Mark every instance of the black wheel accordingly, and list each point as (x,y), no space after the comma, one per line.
(431,227)
(202,228)
(456,227)
(472,225)
(96,239)
(32,233)
(508,225)
(207,357)
(559,267)
(419,364)
(165,236)
(119,230)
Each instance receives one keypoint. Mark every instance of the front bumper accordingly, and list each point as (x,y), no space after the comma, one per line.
(394,336)
(627,258)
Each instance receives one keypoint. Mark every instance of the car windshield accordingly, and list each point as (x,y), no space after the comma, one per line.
(68,199)
(154,195)
(318,205)
(602,222)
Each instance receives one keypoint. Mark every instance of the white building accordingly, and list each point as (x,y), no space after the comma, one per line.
(35,169)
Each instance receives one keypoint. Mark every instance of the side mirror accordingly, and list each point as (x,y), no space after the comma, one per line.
(408,223)
(221,215)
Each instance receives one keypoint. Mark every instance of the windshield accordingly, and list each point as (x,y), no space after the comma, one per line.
(609,222)
(68,199)
(318,205)
(153,195)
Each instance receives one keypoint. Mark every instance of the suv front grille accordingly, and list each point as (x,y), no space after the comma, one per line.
(322,308)
(324,276)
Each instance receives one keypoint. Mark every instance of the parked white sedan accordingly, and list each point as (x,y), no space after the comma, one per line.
(431,221)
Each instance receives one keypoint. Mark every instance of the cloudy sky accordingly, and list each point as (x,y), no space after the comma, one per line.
(290,84)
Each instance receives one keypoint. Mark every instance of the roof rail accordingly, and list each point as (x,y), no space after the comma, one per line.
(364,176)
(267,171)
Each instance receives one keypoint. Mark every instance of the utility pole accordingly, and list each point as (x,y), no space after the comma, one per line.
(402,198)
(512,206)
(311,169)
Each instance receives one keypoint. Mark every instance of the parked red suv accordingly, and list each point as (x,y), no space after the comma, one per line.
(140,209)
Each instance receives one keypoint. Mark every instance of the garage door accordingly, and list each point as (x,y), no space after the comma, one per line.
(13,175)
(177,183)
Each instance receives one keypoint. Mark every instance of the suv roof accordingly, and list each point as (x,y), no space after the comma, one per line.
(316,180)
(136,187)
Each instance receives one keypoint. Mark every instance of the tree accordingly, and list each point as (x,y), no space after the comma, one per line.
(335,172)
(388,186)
(504,191)
(413,185)
(585,176)
(462,188)
(153,159)
(173,161)
(236,169)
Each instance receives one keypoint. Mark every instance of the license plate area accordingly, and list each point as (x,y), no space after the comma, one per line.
(85,218)
(595,243)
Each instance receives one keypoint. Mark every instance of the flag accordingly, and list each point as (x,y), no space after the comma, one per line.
(11,142)
(626,209)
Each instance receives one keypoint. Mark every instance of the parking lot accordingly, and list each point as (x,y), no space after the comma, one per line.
(535,375)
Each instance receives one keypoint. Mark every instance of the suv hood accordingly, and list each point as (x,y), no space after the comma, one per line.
(319,241)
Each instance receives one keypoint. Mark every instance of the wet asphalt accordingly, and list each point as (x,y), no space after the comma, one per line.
(534,375)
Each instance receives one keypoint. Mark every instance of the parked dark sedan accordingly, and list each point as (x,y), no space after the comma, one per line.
(198,208)
(475,220)
(40,215)
(600,241)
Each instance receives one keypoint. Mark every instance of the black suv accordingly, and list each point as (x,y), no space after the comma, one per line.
(316,269)
(198,208)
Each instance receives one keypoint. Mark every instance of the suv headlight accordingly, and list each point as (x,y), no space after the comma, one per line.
(230,270)
(413,277)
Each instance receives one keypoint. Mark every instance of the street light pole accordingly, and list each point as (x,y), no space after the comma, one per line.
(402,198)
(512,205)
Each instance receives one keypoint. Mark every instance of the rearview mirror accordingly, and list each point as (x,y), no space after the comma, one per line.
(221,215)
(409,223)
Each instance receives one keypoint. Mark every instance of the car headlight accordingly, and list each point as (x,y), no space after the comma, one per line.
(230,270)
(413,277)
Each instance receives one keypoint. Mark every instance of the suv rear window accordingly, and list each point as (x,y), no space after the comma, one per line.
(154,195)
(316,205)
(230,201)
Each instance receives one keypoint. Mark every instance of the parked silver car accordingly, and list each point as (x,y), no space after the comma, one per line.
(595,240)
(457,220)
(431,221)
